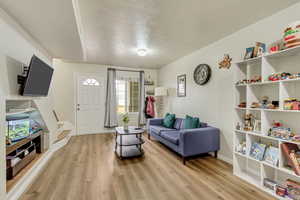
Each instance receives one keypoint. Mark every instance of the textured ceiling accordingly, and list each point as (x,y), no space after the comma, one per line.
(112,30)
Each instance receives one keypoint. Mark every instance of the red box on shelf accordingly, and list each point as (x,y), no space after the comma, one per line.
(296,105)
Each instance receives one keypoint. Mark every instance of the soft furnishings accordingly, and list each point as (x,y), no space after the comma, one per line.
(110,119)
(185,142)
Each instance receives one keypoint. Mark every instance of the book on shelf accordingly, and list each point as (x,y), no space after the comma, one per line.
(293,189)
(272,155)
(290,152)
(257,151)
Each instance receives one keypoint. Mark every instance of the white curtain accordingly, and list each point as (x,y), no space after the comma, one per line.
(142,119)
(111,119)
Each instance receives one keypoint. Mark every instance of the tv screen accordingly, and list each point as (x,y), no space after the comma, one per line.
(18,129)
(38,78)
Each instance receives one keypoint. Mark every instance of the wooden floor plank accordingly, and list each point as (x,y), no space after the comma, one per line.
(87,169)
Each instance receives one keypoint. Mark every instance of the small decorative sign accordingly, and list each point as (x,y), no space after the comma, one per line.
(226,62)
(181,85)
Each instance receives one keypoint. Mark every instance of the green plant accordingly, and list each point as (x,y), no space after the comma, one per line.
(125,118)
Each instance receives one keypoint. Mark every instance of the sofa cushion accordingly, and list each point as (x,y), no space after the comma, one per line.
(171,136)
(191,122)
(169,120)
(177,124)
(158,129)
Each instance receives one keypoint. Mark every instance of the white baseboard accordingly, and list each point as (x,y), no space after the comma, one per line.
(225,158)
(32,173)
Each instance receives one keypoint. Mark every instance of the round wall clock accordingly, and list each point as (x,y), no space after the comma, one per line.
(202,74)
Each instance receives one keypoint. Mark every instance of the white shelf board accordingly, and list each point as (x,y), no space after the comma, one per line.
(241,85)
(249,61)
(267,137)
(240,154)
(268,82)
(28,110)
(287,52)
(268,110)
(238,108)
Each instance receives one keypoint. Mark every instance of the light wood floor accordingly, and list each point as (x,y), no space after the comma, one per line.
(87,169)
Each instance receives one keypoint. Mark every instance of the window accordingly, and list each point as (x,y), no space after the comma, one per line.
(127,96)
(91,82)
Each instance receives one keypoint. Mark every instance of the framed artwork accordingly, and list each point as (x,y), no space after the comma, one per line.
(181,85)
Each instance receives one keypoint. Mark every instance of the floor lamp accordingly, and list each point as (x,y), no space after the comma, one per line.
(160,93)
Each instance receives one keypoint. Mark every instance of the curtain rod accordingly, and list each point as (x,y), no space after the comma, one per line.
(126,70)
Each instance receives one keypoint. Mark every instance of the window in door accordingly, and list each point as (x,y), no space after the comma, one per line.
(127,96)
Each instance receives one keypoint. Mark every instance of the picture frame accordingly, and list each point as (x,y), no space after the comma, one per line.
(249,53)
(181,85)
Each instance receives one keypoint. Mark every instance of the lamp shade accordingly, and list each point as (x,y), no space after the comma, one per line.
(161,91)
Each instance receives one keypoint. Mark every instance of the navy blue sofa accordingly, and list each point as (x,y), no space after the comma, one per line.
(186,142)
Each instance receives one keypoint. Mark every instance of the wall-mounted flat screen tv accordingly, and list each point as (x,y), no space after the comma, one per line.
(38,79)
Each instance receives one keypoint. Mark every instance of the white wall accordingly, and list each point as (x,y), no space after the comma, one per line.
(214,102)
(64,81)
(15,48)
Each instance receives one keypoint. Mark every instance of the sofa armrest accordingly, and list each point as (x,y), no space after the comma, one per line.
(155,121)
(199,140)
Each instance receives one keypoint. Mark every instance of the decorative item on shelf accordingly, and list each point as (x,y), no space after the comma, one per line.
(292,35)
(255,105)
(125,119)
(242,105)
(278,131)
(257,151)
(270,184)
(266,104)
(276,46)
(274,77)
(248,119)
(241,147)
(238,126)
(272,155)
(293,189)
(291,104)
(265,100)
(281,190)
(181,85)
(149,81)
(296,138)
(255,79)
(257,125)
(226,62)
(202,74)
(249,53)
(259,49)
(283,76)
(242,82)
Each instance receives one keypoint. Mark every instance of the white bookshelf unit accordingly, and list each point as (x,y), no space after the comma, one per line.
(244,166)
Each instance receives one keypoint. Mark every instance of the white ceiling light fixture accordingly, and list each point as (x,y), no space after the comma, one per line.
(142,52)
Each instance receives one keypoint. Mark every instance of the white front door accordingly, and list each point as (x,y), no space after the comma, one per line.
(90,104)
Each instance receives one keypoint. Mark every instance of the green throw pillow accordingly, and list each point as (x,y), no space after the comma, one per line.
(169,120)
(191,122)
